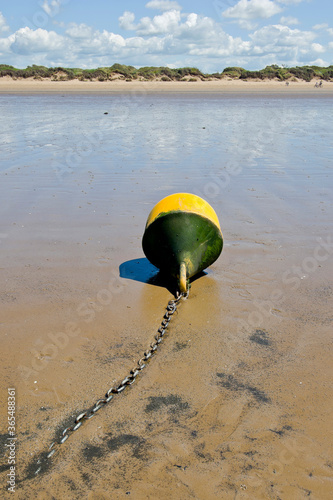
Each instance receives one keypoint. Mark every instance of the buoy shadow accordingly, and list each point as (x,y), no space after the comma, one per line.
(143,271)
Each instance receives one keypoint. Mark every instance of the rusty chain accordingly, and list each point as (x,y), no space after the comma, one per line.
(129,380)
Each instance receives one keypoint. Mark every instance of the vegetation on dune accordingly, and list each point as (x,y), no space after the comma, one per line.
(306,73)
(129,73)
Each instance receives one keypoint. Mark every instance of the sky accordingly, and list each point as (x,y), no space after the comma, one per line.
(207,34)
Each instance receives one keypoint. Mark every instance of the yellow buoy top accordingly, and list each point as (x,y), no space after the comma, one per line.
(184,202)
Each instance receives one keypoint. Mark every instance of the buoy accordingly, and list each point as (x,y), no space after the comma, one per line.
(182,236)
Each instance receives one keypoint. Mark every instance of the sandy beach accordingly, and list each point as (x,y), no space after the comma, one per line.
(8,85)
(237,402)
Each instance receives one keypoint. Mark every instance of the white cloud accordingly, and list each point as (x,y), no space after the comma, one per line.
(289,20)
(319,62)
(5,45)
(200,35)
(126,21)
(226,46)
(330,31)
(51,7)
(164,23)
(289,2)
(79,31)
(318,48)
(281,43)
(270,37)
(163,5)
(104,43)
(320,26)
(28,41)
(247,25)
(252,9)
(192,20)
(61,24)
(330,45)
(198,28)
(3,24)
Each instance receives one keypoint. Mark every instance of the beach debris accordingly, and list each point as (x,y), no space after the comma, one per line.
(180,466)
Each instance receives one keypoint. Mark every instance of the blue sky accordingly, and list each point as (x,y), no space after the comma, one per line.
(209,35)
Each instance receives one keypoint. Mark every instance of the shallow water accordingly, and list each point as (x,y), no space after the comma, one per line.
(250,348)
(148,146)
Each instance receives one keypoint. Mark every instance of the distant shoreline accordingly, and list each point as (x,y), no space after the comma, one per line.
(9,85)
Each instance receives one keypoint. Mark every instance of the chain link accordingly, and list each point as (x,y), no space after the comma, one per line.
(129,380)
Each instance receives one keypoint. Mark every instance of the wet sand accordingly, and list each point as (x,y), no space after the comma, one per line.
(237,401)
